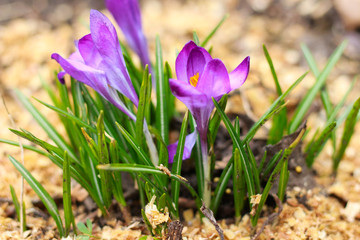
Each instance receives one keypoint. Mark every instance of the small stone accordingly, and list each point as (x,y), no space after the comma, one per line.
(229,234)
(351,210)
(299,213)
(188,215)
(298,169)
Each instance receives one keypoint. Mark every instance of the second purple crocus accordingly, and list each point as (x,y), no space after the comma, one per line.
(128,17)
(99,63)
(199,79)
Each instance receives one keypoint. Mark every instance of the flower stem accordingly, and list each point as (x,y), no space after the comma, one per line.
(152,148)
(206,167)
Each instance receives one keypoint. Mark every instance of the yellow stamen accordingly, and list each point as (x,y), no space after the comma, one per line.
(194,80)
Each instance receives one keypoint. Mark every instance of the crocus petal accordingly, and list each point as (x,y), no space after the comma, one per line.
(127,15)
(89,52)
(94,78)
(181,61)
(190,141)
(79,70)
(199,104)
(181,64)
(196,63)
(214,82)
(60,76)
(239,74)
(187,94)
(106,41)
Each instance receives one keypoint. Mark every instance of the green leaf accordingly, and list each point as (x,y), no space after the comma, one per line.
(170,96)
(279,121)
(17,207)
(15,201)
(199,168)
(273,72)
(140,116)
(347,134)
(48,128)
(224,177)
(68,214)
(82,228)
(89,225)
(103,158)
(29,136)
(162,202)
(149,170)
(28,147)
(42,194)
(311,94)
(253,168)
(144,158)
(117,180)
(284,174)
(266,191)
(196,38)
(315,147)
(214,31)
(239,187)
(272,163)
(162,89)
(68,115)
(163,155)
(178,158)
(214,123)
(273,109)
(238,144)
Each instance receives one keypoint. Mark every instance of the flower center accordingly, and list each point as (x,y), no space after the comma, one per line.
(194,80)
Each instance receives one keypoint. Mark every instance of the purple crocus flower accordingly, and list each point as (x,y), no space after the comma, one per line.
(189,144)
(199,79)
(128,17)
(98,62)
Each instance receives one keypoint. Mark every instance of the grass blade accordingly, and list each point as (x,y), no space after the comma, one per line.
(149,170)
(142,105)
(17,207)
(196,38)
(103,158)
(238,144)
(48,128)
(145,159)
(170,96)
(315,147)
(214,30)
(45,197)
(224,177)
(68,214)
(271,110)
(320,81)
(238,186)
(162,89)
(279,123)
(254,168)
(29,147)
(68,115)
(266,191)
(347,134)
(284,174)
(178,158)
(199,168)
(215,121)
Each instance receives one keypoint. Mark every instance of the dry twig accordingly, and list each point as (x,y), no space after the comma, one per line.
(22,193)
(210,215)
